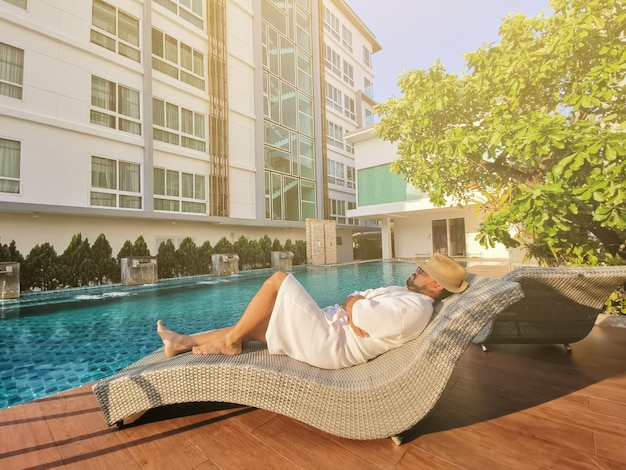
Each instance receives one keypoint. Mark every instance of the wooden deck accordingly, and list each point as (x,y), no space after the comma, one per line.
(512,407)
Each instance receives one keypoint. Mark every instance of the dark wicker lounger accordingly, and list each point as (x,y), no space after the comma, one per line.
(560,305)
(381,398)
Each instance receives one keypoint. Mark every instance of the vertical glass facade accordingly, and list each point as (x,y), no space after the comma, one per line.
(288,98)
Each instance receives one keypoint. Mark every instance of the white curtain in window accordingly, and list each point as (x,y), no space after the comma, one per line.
(129,102)
(11,64)
(129,177)
(9,166)
(103,173)
(172,116)
(102,93)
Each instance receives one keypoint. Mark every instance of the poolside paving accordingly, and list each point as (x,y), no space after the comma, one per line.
(516,406)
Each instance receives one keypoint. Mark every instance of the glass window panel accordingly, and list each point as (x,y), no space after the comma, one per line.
(102,119)
(272,49)
(103,173)
(128,28)
(291,198)
(10,158)
(277,197)
(277,160)
(171,116)
(187,190)
(268,194)
(274,98)
(103,16)
(159,181)
(129,102)
(199,128)
(172,181)
(305,80)
(288,106)
(305,113)
(186,57)
(307,167)
(129,177)
(102,199)
(158,43)
(171,49)
(130,202)
(199,189)
(198,63)
(158,112)
(102,93)
(187,121)
(308,200)
(287,61)
(277,136)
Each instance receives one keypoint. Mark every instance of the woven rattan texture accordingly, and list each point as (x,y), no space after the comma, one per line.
(560,304)
(377,399)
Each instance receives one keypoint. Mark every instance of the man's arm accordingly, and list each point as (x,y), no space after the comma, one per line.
(347,306)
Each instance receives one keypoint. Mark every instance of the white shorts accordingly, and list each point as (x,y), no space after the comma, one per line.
(302,330)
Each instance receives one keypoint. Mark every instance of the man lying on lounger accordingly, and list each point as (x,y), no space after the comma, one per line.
(283,315)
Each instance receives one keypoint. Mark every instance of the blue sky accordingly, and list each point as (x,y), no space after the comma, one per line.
(414,33)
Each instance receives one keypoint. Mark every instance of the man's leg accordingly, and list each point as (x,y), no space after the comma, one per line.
(251,326)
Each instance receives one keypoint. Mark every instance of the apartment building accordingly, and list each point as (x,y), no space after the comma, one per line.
(176,118)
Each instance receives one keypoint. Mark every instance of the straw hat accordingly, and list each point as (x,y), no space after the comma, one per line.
(446,271)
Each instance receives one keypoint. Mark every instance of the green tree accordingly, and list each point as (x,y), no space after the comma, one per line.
(10,253)
(188,262)
(166,260)
(534,133)
(76,267)
(40,268)
(204,255)
(140,247)
(223,247)
(106,267)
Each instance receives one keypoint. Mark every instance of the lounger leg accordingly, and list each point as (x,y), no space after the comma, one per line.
(567,347)
(484,347)
(129,420)
(397,439)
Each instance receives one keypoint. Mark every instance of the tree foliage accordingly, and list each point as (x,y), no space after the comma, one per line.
(534,133)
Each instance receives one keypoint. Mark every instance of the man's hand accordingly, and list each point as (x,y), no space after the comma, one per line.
(347,306)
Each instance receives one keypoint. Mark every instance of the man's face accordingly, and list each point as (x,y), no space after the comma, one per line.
(421,282)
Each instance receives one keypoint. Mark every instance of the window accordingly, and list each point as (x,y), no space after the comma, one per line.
(11,71)
(178,126)
(179,191)
(337,211)
(10,166)
(351,179)
(334,134)
(17,3)
(368,87)
(349,109)
(331,23)
(177,59)
(367,57)
(115,30)
(336,173)
(189,10)
(333,97)
(114,106)
(348,73)
(370,117)
(346,38)
(115,183)
(332,61)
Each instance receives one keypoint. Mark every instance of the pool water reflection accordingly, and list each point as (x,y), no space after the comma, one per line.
(51,342)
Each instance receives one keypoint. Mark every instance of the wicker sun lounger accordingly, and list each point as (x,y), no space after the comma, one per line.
(560,305)
(381,398)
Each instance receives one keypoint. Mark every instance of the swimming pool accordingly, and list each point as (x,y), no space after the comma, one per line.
(51,342)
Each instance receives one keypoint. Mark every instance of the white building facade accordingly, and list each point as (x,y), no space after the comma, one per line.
(411,226)
(176,118)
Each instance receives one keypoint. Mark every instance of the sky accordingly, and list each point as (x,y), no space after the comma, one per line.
(414,33)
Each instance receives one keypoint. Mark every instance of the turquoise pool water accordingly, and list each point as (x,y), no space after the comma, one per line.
(51,342)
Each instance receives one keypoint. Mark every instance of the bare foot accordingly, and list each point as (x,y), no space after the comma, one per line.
(174,343)
(218,346)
